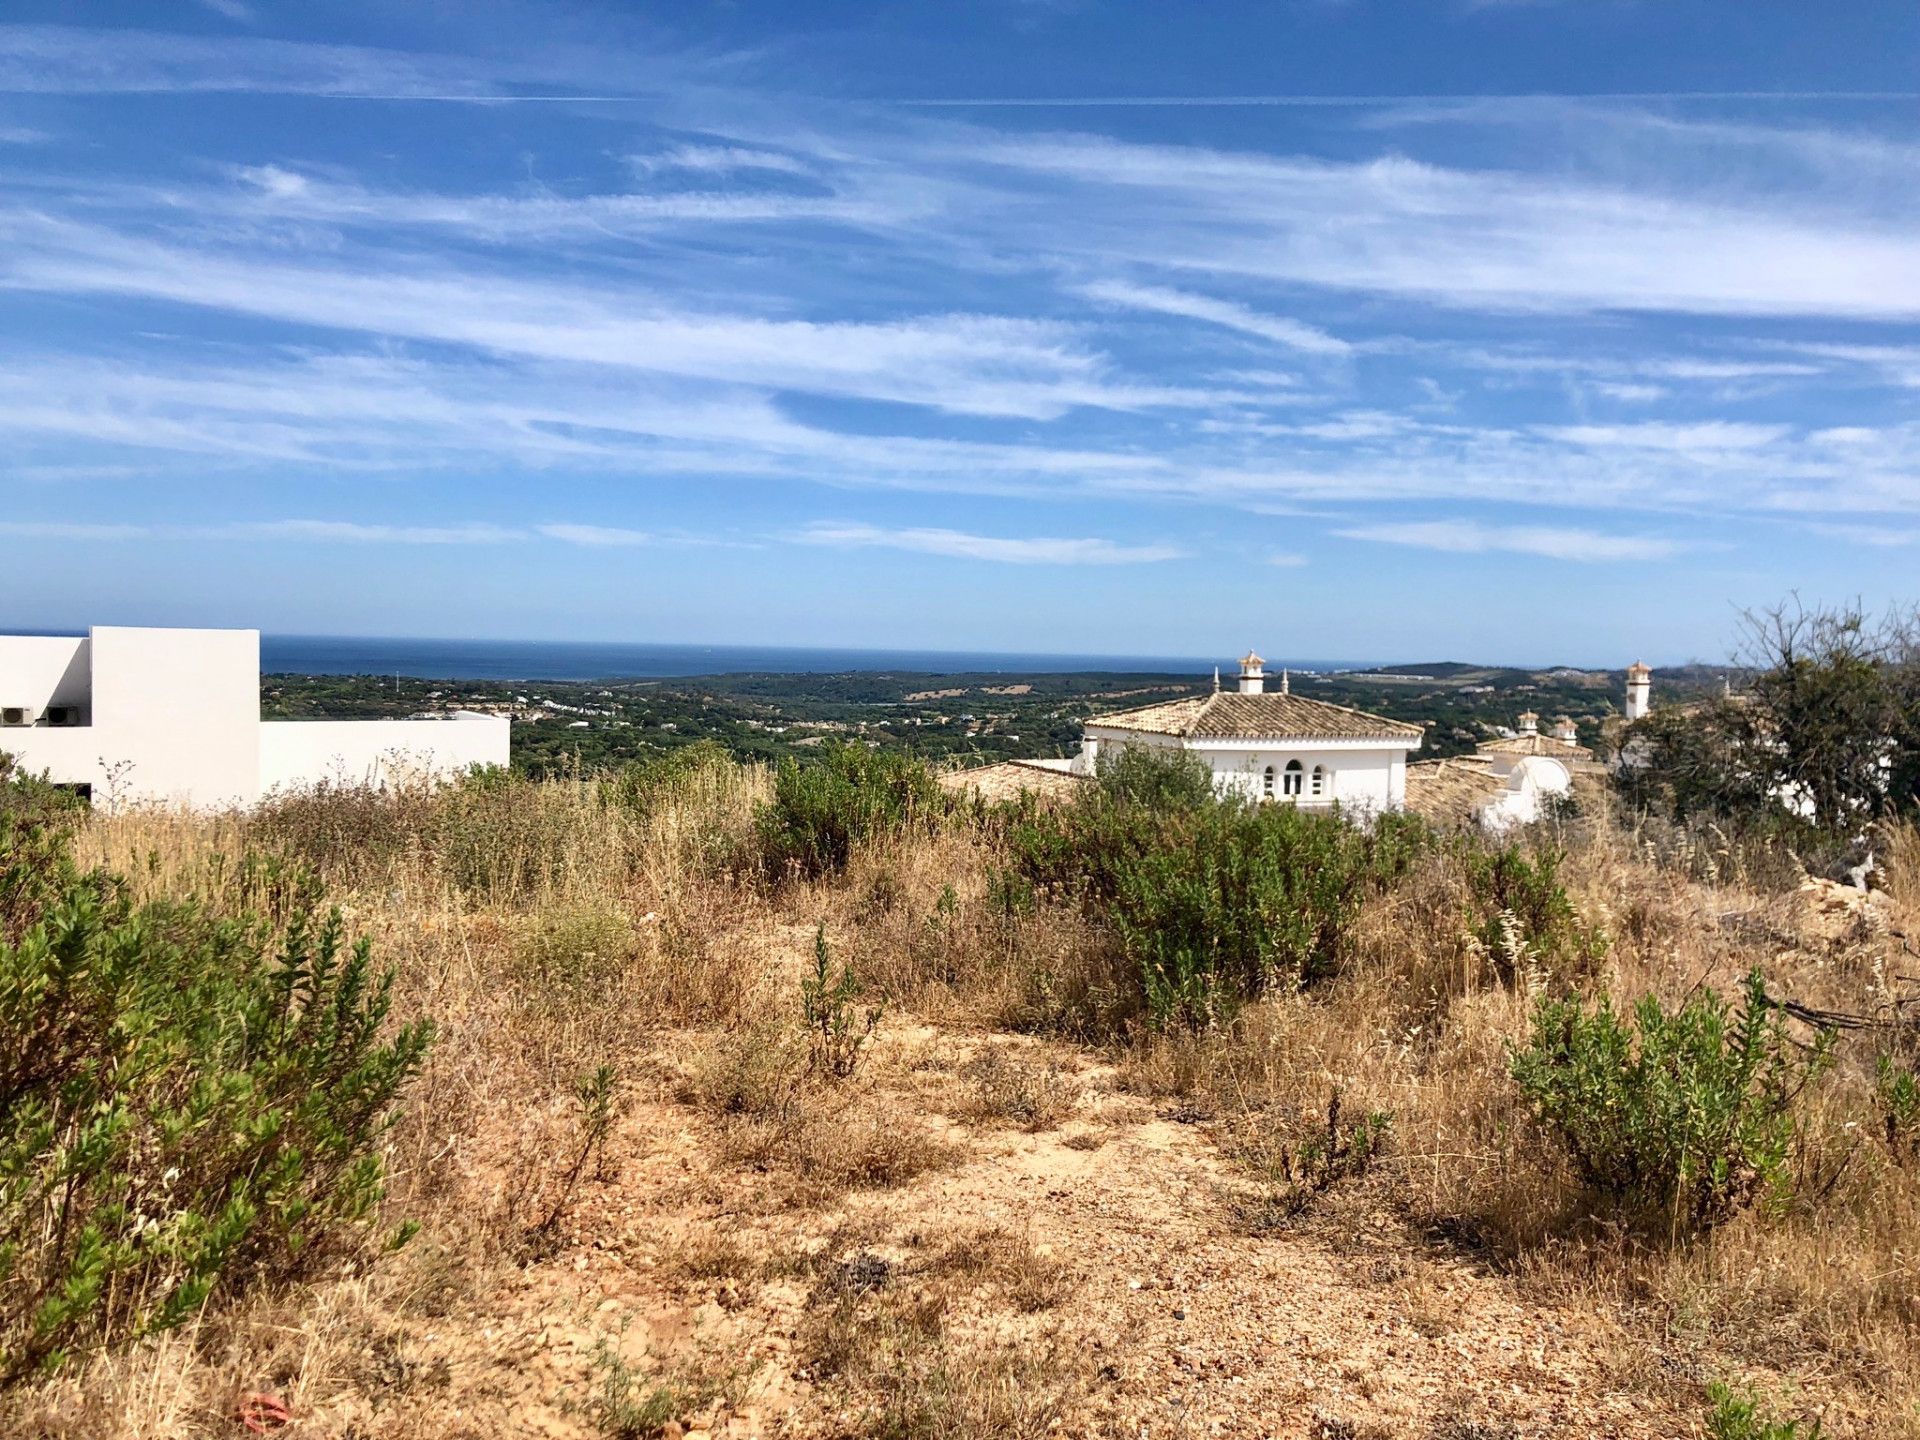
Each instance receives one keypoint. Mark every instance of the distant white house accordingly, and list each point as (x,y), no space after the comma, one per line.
(173,716)
(1510,780)
(1269,745)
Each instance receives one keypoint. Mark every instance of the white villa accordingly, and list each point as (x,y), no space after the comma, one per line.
(173,717)
(1507,781)
(1271,745)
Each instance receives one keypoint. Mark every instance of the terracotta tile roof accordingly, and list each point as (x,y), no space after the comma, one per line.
(1535,745)
(1229,715)
(1008,778)
(1451,792)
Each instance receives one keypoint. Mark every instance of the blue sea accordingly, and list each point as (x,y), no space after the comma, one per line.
(575,660)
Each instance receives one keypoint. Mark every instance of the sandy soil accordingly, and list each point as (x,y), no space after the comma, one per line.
(1171,1320)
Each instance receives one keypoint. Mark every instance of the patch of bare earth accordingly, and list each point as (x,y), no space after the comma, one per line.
(1078,1271)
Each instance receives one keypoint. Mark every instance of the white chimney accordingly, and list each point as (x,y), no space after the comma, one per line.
(1639,691)
(1253,678)
(1565,729)
(1529,723)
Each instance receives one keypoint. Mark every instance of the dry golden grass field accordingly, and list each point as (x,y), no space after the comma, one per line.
(958,1206)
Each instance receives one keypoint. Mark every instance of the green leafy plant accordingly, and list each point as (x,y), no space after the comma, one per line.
(837,1026)
(1521,903)
(1685,1114)
(1738,1415)
(596,1098)
(37,820)
(1213,900)
(186,1105)
(1896,1091)
(627,1405)
(853,792)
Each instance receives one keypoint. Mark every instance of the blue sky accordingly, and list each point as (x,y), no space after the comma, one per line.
(1517,331)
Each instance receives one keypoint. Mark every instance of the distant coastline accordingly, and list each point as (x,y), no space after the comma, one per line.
(587,660)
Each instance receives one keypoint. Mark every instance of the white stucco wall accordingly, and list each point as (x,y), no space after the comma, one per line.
(173,717)
(294,753)
(1531,781)
(178,712)
(1360,777)
(41,670)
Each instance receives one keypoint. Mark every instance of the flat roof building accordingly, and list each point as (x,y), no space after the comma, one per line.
(170,716)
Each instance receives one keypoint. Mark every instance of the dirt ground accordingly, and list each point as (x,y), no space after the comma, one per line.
(1160,1314)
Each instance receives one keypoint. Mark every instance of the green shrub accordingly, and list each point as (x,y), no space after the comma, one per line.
(829,1011)
(572,954)
(852,792)
(1521,903)
(1685,1115)
(1158,779)
(638,786)
(1737,1415)
(185,1107)
(1896,1093)
(36,822)
(1214,900)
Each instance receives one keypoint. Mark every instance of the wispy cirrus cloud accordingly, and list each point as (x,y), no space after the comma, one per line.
(1290,333)
(1465,537)
(325,531)
(959,545)
(597,536)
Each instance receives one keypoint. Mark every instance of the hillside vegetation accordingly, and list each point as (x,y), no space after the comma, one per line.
(701,1098)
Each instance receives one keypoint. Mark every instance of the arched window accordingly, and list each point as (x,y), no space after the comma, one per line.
(1319,780)
(1295,774)
(1266,783)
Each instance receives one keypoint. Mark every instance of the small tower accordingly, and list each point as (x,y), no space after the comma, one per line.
(1529,723)
(1253,676)
(1639,691)
(1565,729)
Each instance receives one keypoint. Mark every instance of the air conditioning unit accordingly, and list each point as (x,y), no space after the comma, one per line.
(19,714)
(62,715)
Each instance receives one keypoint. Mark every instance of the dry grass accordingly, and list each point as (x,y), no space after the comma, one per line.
(546,932)
(1005,1086)
(910,1350)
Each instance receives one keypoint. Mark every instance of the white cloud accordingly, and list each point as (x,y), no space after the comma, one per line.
(964,363)
(1469,238)
(596,535)
(63,530)
(1287,562)
(1700,438)
(1628,392)
(958,544)
(22,135)
(470,533)
(1880,537)
(1291,333)
(718,159)
(353,532)
(1465,537)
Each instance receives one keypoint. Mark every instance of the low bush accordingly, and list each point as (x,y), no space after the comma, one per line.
(1683,1115)
(851,793)
(1737,1415)
(188,1104)
(1521,906)
(36,823)
(1896,1093)
(837,1025)
(1212,900)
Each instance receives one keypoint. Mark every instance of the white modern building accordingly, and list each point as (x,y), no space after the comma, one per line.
(1270,745)
(173,717)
